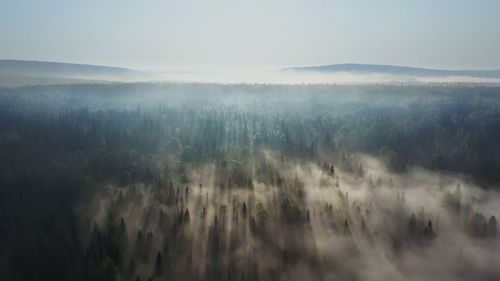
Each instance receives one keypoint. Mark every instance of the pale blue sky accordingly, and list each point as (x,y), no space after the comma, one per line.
(192,33)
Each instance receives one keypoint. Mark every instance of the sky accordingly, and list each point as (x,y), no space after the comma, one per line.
(202,34)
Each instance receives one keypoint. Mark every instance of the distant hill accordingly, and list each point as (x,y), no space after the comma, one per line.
(394,70)
(22,72)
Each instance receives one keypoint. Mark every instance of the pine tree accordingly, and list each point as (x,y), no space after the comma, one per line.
(244,210)
(492,227)
(186,216)
(412,225)
(158,264)
(428,231)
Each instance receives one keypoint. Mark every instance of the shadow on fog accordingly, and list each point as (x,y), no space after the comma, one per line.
(286,219)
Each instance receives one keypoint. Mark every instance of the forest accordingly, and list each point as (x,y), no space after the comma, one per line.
(209,181)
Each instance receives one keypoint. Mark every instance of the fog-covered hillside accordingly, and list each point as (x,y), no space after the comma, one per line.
(395,70)
(23,72)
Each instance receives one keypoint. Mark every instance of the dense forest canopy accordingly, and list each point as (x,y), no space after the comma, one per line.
(189,181)
(451,128)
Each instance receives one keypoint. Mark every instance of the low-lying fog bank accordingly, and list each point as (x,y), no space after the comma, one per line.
(276,76)
(275,218)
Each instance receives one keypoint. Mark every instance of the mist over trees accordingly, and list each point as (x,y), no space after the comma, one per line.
(249,182)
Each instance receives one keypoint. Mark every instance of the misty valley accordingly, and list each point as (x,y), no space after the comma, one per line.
(210,181)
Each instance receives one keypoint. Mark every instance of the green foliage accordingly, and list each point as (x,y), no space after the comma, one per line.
(391,159)
(158,270)
(290,211)
(261,215)
(188,154)
(477,225)
(174,146)
(125,178)
(61,145)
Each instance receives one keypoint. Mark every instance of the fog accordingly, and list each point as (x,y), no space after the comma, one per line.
(224,181)
(15,73)
(226,140)
(273,75)
(334,226)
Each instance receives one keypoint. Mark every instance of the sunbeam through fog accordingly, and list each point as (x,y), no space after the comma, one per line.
(227,140)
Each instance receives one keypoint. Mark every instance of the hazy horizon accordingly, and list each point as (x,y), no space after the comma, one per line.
(160,35)
(250,140)
(361,74)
